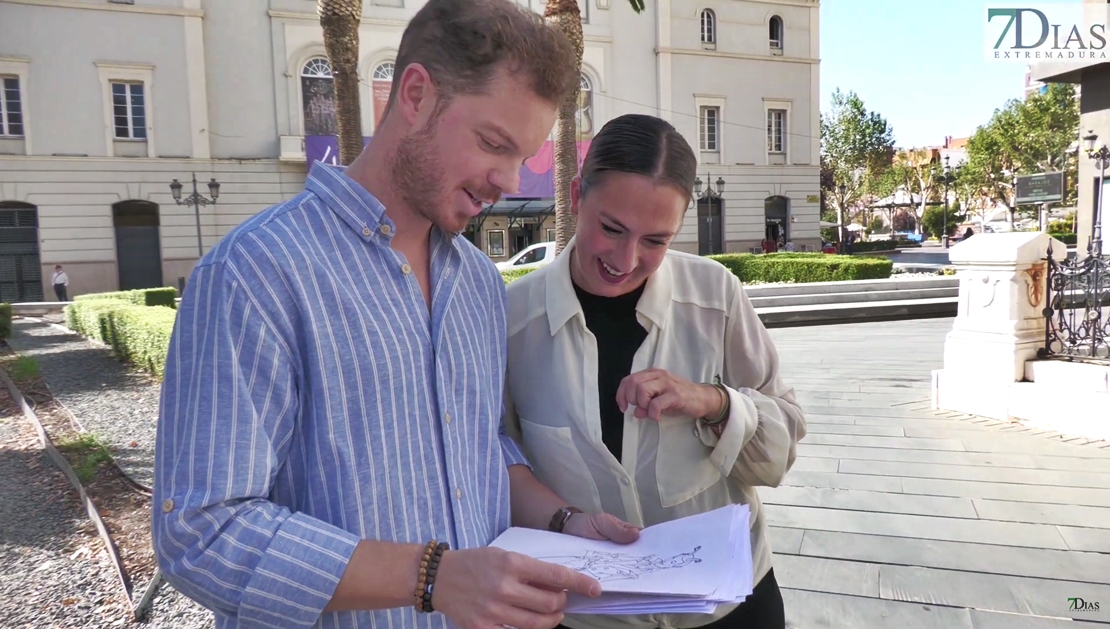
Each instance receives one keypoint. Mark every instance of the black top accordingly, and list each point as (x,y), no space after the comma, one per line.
(612,320)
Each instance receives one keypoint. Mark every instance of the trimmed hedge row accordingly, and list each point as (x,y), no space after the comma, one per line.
(803,268)
(141,297)
(137,334)
(5,321)
(787,267)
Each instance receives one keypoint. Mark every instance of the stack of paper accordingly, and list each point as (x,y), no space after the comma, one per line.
(690,565)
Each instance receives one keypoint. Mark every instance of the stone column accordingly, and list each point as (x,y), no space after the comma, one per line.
(1000,322)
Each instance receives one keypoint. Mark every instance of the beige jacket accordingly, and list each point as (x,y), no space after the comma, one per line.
(700,323)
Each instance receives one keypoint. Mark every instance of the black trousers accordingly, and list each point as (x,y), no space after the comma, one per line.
(60,292)
(762,610)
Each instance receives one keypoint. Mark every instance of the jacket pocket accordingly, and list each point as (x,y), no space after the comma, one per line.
(558,464)
(682,467)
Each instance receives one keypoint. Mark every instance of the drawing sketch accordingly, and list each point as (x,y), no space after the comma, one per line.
(616,566)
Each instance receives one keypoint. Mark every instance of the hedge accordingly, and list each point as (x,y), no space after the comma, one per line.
(787,267)
(1066,238)
(142,297)
(137,334)
(5,321)
(803,267)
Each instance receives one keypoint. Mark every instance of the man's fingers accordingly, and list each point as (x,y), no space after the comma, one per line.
(564,578)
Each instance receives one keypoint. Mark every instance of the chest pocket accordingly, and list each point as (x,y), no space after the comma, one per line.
(558,464)
(682,467)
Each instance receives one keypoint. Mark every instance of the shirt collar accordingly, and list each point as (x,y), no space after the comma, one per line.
(562,303)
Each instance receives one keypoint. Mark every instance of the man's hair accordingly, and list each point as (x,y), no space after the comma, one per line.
(463,43)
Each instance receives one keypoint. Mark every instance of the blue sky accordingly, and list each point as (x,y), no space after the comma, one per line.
(898,55)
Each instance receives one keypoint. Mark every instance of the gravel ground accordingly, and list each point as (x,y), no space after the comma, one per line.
(117,404)
(120,406)
(54,573)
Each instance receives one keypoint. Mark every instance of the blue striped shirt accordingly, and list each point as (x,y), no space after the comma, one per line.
(311,400)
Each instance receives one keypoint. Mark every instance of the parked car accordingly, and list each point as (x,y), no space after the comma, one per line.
(531,257)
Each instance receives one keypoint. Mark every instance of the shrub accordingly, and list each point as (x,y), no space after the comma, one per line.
(1067,239)
(5,321)
(137,334)
(515,274)
(874,245)
(803,267)
(142,297)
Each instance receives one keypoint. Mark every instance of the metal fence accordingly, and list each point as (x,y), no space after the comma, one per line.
(1077,311)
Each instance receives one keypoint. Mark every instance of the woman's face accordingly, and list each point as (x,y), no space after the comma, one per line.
(625,225)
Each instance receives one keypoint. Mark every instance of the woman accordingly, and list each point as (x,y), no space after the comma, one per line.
(640,381)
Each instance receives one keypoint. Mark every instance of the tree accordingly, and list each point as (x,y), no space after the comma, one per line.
(565,16)
(857,145)
(340,20)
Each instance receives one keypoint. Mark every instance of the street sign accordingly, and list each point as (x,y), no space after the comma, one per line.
(1040,188)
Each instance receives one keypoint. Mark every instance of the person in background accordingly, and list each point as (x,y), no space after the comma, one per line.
(329,451)
(61,282)
(640,380)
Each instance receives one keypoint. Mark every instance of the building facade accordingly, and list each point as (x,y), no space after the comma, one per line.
(105,102)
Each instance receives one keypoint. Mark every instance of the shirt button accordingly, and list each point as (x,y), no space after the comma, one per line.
(386,229)
(458,492)
(406,269)
(366,231)
(167,505)
(624,481)
(447,417)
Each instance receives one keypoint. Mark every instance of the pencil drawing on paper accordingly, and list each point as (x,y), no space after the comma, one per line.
(616,566)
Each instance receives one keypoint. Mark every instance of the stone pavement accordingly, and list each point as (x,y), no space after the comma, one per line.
(895,515)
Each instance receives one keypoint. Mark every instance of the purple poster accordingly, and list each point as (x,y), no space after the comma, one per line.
(536,176)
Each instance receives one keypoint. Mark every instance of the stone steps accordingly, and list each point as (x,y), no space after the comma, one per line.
(825,303)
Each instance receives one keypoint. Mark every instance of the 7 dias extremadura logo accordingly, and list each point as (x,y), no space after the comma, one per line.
(1052,32)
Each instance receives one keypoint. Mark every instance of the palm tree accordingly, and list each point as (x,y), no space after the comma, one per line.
(565,16)
(340,20)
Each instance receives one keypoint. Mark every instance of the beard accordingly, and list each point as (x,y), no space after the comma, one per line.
(417,176)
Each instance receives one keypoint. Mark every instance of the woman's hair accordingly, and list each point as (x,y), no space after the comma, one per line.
(641,145)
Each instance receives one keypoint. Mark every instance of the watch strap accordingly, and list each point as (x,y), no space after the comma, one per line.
(561,517)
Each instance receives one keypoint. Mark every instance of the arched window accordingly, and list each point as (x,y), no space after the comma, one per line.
(381,83)
(585,109)
(774,33)
(318,98)
(708,27)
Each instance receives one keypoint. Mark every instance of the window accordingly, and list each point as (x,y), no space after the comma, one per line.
(129,111)
(381,84)
(585,109)
(495,243)
(776,130)
(11,107)
(709,129)
(531,257)
(318,98)
(774,28)
(551,234)
(708,28)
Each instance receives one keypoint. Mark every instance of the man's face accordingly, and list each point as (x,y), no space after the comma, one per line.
(472,152)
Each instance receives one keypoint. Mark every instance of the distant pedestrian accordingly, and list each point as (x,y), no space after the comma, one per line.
(61,281)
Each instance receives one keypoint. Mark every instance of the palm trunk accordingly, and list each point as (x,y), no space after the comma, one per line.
(340,20)
(565,16)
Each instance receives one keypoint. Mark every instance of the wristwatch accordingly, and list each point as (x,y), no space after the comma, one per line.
(561,517)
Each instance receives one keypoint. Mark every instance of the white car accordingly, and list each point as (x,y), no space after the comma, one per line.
(531,257)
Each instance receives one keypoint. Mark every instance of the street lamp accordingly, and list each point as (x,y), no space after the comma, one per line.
(1102,158)
(843,189)
(710,193)
(196,200)
(949,177)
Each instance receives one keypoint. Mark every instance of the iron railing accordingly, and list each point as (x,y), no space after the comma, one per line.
(1077,309)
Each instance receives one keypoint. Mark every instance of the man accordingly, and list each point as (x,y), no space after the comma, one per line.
(61,281)
(333,391)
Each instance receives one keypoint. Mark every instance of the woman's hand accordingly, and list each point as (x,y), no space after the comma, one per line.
(601,526)
(656,392)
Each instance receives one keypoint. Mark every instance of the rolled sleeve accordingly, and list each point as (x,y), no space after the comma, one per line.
(512,451)
(228,413)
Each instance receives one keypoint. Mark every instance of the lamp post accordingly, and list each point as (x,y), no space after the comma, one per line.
(710,194)
(196,200)
(1102,158)
(949,177)
(843,189)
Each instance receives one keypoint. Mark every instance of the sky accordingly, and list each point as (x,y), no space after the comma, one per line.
(899,56)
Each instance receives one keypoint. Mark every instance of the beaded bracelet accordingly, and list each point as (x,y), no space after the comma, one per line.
(425,582)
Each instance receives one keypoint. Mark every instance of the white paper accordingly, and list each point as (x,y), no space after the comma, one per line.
(689,565)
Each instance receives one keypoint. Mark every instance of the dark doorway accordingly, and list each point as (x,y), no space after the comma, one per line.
(138,246)
(20,265)
(710,226)
(776,216)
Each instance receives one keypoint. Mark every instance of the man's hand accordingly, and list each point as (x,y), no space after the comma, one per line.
(489,588)
(657,392)
(602,526)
